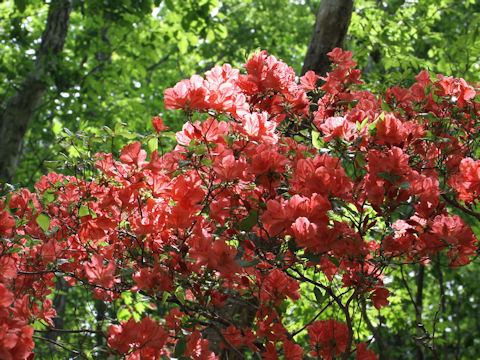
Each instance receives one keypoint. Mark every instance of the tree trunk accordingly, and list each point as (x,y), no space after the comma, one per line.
(59,304)
(333,19)
(21,107)
(240,312)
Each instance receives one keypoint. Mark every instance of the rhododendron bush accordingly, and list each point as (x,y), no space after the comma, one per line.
(277,191)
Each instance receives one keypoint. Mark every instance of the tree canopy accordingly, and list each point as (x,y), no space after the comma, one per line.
(119,56)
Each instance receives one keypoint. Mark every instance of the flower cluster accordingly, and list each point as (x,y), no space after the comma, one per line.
(268,189)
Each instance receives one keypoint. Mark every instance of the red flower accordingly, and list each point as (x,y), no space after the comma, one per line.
(292,351)
(329,338)
(309,81)
(379,296)
(423,78)
(467,181)
(152,280)
(339,127)
(133,154)
(137,337)
(197,347)
(364,354)
(158,124)
(100,274)
(6,297)
(270,353)
(277,286)
(390,131)
(237,337)
(15,343)
(7,223)
(187,94)
(8,269)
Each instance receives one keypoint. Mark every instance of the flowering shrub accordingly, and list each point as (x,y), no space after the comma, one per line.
(271,190)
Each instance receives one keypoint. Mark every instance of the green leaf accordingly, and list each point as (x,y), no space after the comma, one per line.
(43,220)
(123,314)
(282,307)
(61,262)
(386,107)
(319,295)
(360,126)
(312,257)
(350,104)
(182,44)
(165,297)
(206,162)
(387,176)
(152,144)
(249,222)
(48,196)
(127,297)
(108,130)
(182,163)
(229,140)
(180,294)
(127,134)
(118,127)
(317,142)
(405,185)
(292,245)
(85,210)
(360,160)
(221,31)
(52,164)
(334,261)
(52,231)
(180,347)
(140,307)
(14,250)
(244,263)
(56,127)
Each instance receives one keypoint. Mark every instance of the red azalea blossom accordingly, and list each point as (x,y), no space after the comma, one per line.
(364,354)
(328,338)
(157,123)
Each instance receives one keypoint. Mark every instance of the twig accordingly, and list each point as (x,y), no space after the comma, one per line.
(56,343)
(461,207)
(72,331)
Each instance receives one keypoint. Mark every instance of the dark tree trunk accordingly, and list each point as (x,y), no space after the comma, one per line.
(59,304)
(240,312)
(21,107)
(333,19)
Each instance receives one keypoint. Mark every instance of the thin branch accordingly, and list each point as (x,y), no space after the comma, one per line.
(461,207)
(408,290)
(375,331)
(37,272)
(158,63)
(56,343)
(72,331)
(314,318)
